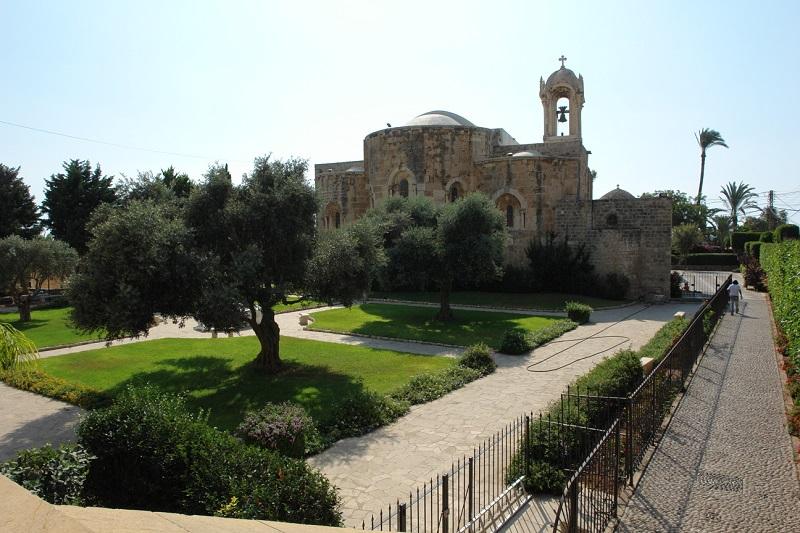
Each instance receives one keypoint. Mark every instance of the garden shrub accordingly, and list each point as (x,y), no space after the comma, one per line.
(786,232)
(556,266)
(723,259)
(738,238)
(709,321)
(56,475)
(553,331)
(781,262)
(35,380)
(153,454)
(432,385)
(767,236)
(616,376)
(615,286)
(286,428)
(359,412)
(478,357)
(753,273)
(578,312)
(515,342)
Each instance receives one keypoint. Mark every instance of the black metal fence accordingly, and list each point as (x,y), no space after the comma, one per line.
(587,503)
(596,442)
(701,283)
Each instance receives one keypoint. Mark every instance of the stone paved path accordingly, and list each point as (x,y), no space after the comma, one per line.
(28,420)
(725,462)
(374,470)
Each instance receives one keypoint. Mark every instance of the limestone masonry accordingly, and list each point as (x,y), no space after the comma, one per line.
(541,188)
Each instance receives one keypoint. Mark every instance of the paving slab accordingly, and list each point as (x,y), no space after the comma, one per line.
(725,462)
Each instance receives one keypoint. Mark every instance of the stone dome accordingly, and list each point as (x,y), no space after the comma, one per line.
(440,118)
(618,194)
(563,76)
(527,153)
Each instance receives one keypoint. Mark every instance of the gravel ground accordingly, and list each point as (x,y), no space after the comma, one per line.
(725,462)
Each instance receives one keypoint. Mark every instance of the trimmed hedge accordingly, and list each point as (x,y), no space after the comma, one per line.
(478,357)
(767,236)
(712,259)
(152,454)
(360,412)
(517,341)
(433,385)
(753,248)
(738,238)
(786,232)
(578,312)
(657,347)
(782,265)
(34,380)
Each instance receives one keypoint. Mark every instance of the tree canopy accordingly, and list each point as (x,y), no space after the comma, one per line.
(26,261)
(424,243)
(167,186)
(684,210)
(738,198)
(706,138)
(226,257)
(18,212)
(71,197)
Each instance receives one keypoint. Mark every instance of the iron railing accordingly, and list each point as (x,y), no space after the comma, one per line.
(598,451)
(700,283)
(585,501)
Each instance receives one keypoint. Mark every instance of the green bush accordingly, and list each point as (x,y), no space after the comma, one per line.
(515,342)
(616,376)
(286,428)
(478,357)
(542,336)
(153,454)
(430,386)
(675,280)
(786,232)
(56,475)
(738,238)
(38,381)
(767,236)
(657,347)
(723,260)
(555,265)
(360,412)
(754,276)
(755,249)
(578,312)
(782,264)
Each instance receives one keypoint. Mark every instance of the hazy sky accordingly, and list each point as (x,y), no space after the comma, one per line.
(227,81)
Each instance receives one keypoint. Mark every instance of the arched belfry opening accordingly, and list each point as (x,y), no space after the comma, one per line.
(562,101)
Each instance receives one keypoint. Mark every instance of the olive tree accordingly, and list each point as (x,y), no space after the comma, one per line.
(26,264)
(226,257)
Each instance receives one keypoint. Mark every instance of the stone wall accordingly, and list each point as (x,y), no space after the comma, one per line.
(630,237)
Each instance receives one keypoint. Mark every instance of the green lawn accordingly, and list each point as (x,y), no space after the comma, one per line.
(545,300)
(216,375)
(305,304)
(48,327)
(416,323)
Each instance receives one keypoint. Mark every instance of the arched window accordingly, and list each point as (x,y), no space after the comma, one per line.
(338,219)
(511,208)
(510,216)
(455,192)
(404,188)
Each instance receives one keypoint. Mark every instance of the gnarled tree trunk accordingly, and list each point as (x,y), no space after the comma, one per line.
(268,333)
(24,307)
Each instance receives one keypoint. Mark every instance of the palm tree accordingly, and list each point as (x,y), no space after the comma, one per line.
(706,138)
(722,225)
(15,347)
(739,198)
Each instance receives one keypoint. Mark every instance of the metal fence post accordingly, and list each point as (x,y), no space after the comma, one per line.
(572,524)
(629,442)
(401,517)
(616,470)
(526,447)
(445,504)
(471,495)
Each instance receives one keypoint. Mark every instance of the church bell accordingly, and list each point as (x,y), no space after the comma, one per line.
(562,113)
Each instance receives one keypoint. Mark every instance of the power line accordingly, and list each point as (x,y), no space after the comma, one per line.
(108,143)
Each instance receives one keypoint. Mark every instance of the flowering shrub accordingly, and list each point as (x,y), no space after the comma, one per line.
(284,427)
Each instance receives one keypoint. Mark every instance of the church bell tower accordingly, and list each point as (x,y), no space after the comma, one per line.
(562,100)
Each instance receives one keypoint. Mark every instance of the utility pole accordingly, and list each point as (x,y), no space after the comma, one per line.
(771,215)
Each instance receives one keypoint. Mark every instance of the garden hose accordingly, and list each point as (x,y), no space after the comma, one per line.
(580,340)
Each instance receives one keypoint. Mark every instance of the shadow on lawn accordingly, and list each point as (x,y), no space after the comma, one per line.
(214,384)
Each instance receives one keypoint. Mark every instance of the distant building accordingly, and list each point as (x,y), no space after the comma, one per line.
(540,188)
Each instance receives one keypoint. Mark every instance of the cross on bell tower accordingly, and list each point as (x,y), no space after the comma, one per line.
(562,59)
(562,85)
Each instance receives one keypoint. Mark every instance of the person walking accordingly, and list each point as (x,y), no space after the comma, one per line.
(734,293)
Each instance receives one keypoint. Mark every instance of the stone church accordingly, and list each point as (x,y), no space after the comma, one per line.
(539,187)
